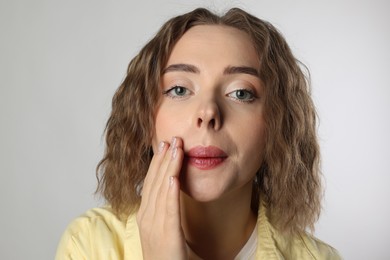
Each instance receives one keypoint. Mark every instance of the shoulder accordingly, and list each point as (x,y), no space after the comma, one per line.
(272,244)
(317,248)
(96,223)
(88,234)
(300,246)
(100,217)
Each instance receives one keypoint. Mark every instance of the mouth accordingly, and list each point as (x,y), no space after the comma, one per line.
(206,157)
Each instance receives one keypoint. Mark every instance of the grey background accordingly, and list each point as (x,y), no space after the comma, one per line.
(61,61)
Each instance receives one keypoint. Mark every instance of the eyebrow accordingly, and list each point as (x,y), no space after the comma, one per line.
(181,67)
(227,71)
(241,70)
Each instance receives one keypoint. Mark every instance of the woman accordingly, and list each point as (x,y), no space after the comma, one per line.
(211,150)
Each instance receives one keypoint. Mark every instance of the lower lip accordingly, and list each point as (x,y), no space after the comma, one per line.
(206,163)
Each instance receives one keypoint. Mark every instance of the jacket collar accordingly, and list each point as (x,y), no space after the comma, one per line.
(266,248)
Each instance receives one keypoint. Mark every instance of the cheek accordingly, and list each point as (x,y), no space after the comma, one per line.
(253,140)
(162,126)
(168,124)
(259,136)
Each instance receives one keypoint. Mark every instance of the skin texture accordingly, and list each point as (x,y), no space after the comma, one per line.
(212,96)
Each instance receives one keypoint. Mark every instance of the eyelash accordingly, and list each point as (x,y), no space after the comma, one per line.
(168,92)
(247,91)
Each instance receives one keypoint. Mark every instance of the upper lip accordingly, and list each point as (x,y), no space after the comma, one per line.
(206,152)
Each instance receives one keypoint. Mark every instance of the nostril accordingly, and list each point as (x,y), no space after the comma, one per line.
(212,123)
(200,122)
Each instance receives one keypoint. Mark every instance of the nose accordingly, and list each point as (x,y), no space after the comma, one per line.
(208,115)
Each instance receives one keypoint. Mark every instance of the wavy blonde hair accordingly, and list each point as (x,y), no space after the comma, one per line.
(289,179)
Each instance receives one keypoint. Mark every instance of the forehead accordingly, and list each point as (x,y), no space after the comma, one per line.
(206,42)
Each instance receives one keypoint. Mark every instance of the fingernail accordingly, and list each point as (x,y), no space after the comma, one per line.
(161,147)
(173,143)
(174,152)
(170,181)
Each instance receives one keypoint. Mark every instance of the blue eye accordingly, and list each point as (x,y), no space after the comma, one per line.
(177,92)
(242,95)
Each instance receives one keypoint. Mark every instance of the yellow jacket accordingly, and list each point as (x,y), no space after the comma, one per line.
(99,234)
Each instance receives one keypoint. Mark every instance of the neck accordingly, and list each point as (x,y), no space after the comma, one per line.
(218,229)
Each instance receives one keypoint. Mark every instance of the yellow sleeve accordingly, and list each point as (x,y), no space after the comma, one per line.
(73,244)
(97,234)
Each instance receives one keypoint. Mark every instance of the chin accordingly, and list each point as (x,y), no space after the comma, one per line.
(200,196)
(204,190)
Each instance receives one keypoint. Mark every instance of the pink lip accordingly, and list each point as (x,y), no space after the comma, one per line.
(206,157)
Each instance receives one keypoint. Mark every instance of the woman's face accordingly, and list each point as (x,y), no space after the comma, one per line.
(213,100)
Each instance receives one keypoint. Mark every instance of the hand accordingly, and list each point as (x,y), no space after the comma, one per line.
(158,218)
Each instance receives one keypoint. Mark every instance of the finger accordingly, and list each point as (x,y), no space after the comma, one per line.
(173,204)
(176,160)
(153,172)
(157,182)
(168,198)
(172,216)
(173,166)
(166,161)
